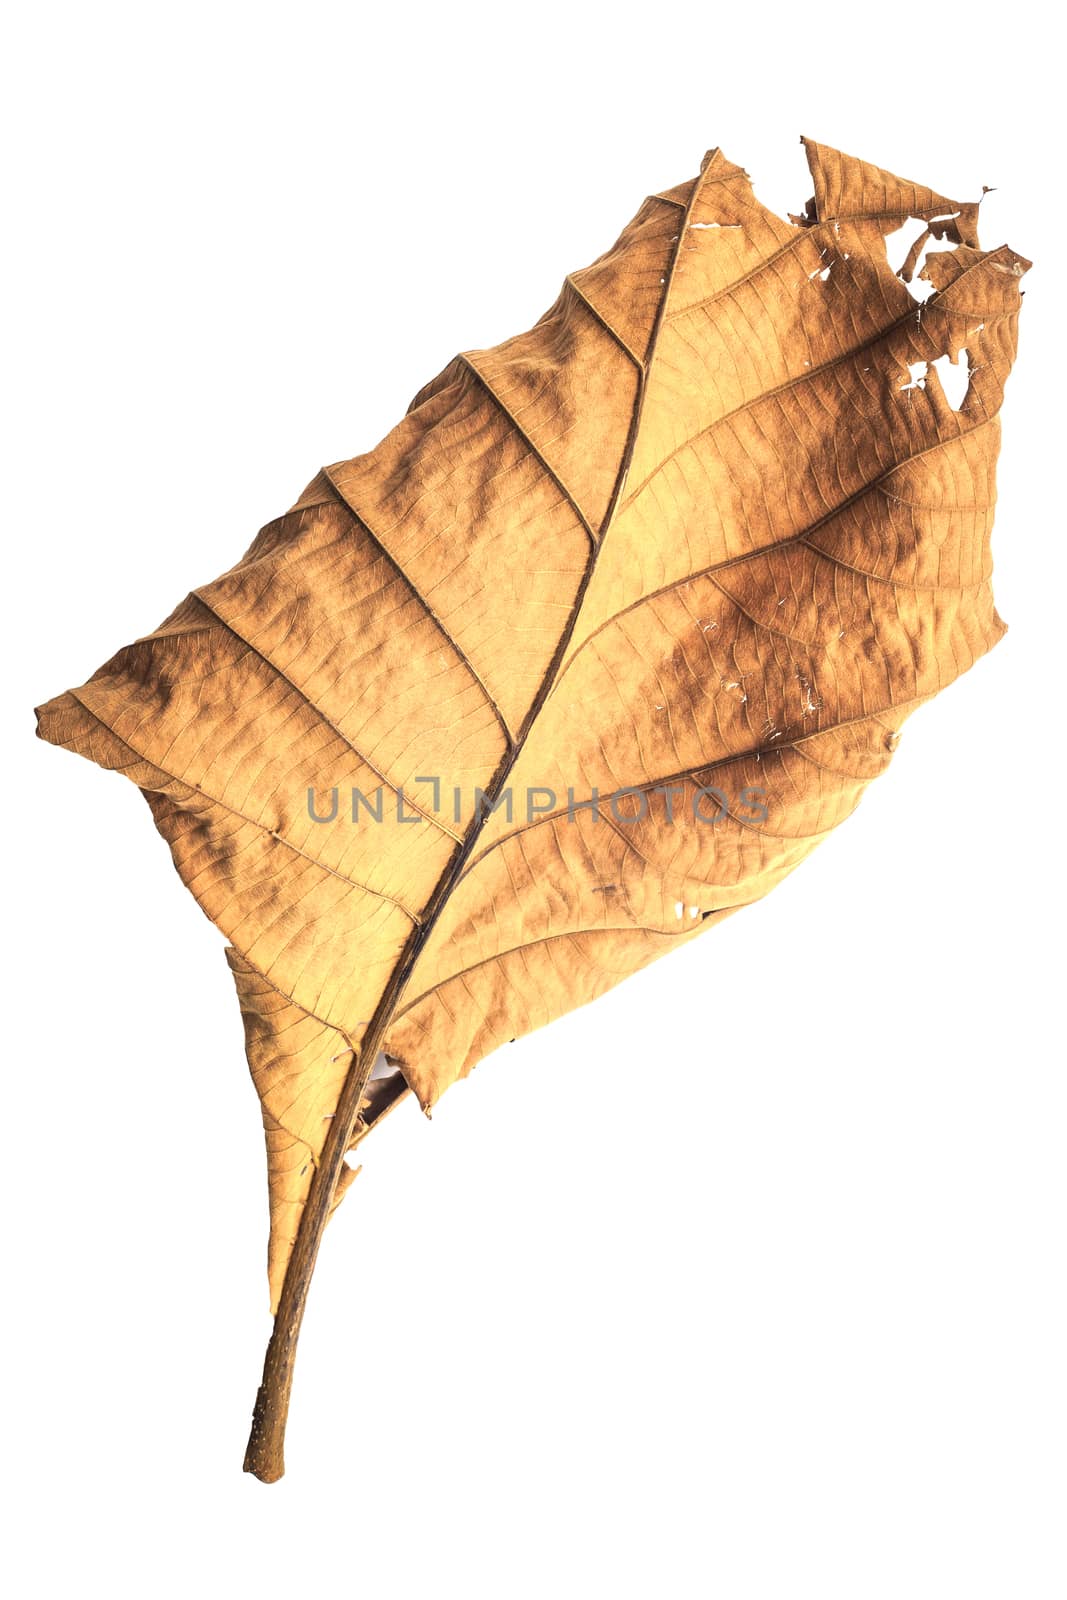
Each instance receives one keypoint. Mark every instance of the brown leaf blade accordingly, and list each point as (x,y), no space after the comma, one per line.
(711,528)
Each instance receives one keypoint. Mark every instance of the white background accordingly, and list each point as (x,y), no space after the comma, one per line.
(746,1281)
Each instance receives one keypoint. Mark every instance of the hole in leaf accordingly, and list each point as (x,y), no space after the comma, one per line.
(906,248)
(955,377)
(383,1067)
(384,1088)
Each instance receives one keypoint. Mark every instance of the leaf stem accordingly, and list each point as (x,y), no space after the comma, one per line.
(265,1451)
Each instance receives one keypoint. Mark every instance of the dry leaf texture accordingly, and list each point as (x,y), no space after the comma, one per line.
(713,522)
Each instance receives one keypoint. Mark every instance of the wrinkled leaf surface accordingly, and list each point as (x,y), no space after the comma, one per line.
(712,523)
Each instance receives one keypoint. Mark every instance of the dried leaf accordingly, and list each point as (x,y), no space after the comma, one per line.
(713,524)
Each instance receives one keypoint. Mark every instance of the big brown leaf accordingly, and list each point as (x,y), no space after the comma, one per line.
(670,570)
